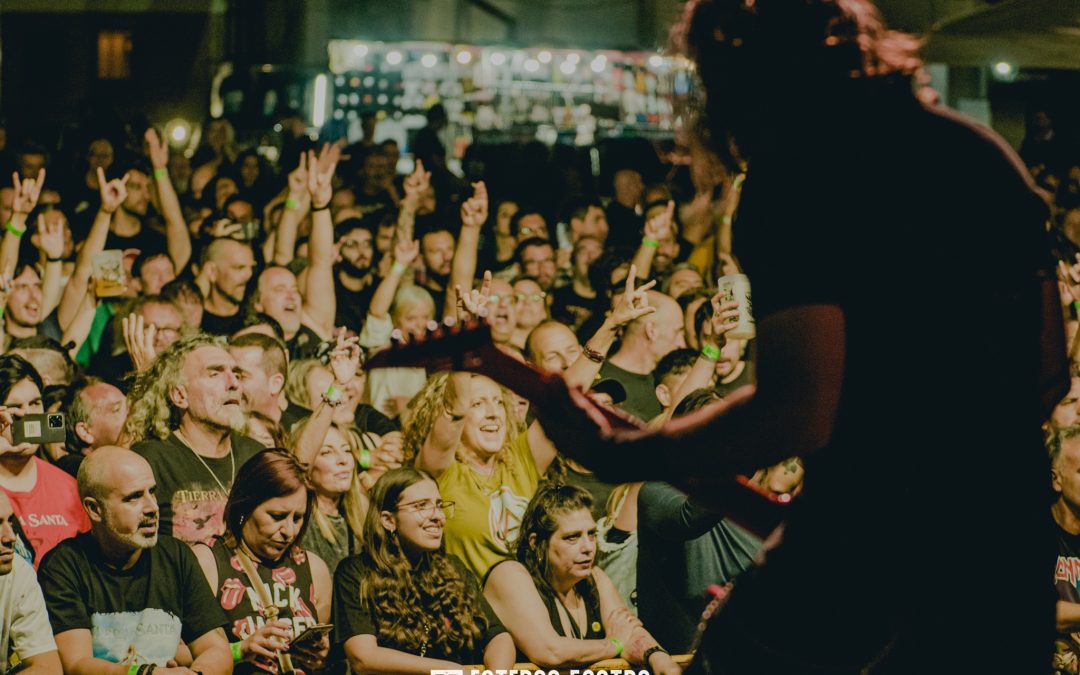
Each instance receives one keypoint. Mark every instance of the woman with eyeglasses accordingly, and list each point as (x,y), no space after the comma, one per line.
(403,605)
(265,518)
(532,308)
(561,609)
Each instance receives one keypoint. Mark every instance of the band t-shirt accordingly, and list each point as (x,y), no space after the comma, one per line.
(51,511)
(488,509)
(24,623)
(192,489)
(144,611)
(289,584)
(1067,583)
(351,617)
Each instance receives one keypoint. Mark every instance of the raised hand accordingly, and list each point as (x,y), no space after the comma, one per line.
(1069,275)
(405,252)
(139,339)
(7,447)
(50,237)
(658,228)
(725,317)
(298,177)
(345,358)
(633,303)
(321,173)
(417,183)
(390,453)
(26,192)
(474,211)
(113,192)
(473,303)
(157,149)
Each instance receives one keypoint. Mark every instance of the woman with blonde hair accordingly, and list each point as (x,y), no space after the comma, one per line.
(404,605)
(462,432)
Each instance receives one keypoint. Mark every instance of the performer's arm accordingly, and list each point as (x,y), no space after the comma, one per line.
(792,411)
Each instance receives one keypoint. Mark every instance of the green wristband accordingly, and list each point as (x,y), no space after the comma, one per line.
(291,203)
(133,669)
(237,652)
(161,173)
(10,227)
(1076,306)
(365,459)
(650,243)
(398,267)
(711,352)
(618,647)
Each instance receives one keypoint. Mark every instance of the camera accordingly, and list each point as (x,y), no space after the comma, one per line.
(39,428)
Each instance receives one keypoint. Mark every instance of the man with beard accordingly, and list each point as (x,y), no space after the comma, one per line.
(24,623)
(186,413)
(121,595)
(354,276)
(228,265)
(437,252)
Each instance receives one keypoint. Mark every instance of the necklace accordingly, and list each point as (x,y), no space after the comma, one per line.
(232,463)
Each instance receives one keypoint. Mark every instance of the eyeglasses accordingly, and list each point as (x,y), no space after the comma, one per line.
(426,508)
(530,297)
(496,299)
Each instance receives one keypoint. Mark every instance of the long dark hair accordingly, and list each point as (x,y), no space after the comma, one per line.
(541,518)
(396,589)
(269,474)
(13,370)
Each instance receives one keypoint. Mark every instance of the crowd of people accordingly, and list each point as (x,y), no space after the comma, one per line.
(234,489)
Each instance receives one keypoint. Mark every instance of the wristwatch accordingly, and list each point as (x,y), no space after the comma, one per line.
(650,651)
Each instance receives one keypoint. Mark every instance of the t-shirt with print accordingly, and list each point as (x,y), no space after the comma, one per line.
(641,401)
(51,511)
(148,609)
(192,489)
(24,623)
(1067,583)
(488,509)
(352,617)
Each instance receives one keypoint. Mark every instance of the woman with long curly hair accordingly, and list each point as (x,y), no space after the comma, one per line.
(403,605)
(462,431)
(561,609)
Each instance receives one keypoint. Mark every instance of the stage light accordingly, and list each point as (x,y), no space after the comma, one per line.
(656,60)
(498,59)
(429,60)
(318,103)
(464,57)
(544,56)
(394,57)
(567,68)
(178,131)
(599,63)
(531,65)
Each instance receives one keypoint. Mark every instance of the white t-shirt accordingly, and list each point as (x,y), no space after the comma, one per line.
(24,622)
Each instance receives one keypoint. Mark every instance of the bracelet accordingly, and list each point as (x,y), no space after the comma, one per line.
(291,203)
(650,243)
(398,267)
(237,652)
(650,651)
(592,354)
(618,646)
(365,459)
(133,669)
(711,352)
(332,396)
(316,209)
(161,172)
(49,258)
(12,228)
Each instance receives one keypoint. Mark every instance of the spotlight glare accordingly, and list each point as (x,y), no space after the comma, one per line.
(498,58)
(393,58)
(464,57)
(567,68)
(598,64)
(544,56)
(532,65)
(573,57)
(429,60)
(656,60)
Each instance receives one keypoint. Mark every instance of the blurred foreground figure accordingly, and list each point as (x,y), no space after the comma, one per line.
(909,345)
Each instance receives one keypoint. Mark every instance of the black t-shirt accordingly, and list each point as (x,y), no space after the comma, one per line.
(351,618)
(352,306)
(305,344)
(147,241)
(191,489)
(641,401)
(222,325)
(573,309)
(599,490)
(162,599)
(863,200)
(1067,583)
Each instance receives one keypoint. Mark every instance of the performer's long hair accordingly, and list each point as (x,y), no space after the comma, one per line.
(761,58)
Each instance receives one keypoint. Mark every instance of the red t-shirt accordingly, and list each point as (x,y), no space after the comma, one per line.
(51,511)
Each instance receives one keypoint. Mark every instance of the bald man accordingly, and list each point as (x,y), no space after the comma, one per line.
(228,265)
(24,622)
(645,341)
(123,587)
